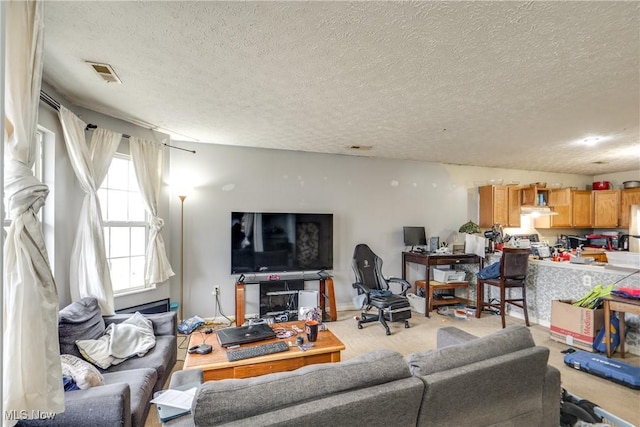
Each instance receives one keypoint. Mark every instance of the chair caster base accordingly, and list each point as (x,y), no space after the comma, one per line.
(406,325)
(388,332)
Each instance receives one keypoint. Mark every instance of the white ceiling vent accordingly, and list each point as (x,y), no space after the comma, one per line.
(105,71)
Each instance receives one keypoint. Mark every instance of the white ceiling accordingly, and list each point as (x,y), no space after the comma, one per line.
(496,84)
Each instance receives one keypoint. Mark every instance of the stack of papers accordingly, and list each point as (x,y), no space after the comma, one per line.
(174,403)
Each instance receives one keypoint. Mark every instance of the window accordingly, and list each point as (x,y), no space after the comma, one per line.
(125,226)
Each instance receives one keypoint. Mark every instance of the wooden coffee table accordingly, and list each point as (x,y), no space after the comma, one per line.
(216,366)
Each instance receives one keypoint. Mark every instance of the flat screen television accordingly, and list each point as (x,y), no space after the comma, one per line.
(414,236)
(279,242)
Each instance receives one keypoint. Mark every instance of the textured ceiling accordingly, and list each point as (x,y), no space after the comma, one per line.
(496,84)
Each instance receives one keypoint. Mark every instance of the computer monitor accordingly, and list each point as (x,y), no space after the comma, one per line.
(414,236)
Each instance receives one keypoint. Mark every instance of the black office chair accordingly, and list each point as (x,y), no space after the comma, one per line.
(513,274)
(371,284)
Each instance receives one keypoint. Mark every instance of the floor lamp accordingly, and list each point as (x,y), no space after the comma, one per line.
(182,256)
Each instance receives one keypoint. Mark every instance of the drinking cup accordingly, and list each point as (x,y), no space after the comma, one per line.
(311,328)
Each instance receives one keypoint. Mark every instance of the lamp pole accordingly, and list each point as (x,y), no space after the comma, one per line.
(182,256)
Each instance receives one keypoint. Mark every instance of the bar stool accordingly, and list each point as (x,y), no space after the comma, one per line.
(513,274)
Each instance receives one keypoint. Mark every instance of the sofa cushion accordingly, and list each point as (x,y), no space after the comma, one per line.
(253,396)
(506,340)
(79,320)
(141,383)
(162,358)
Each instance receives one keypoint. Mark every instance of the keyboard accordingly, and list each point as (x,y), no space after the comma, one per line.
(260,350)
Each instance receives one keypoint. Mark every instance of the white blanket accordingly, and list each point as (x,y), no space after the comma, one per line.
(120,341)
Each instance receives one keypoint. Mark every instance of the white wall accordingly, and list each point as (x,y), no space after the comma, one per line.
(617,179)
(371,200)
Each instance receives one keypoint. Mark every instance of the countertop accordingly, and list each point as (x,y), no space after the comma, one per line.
(594,266)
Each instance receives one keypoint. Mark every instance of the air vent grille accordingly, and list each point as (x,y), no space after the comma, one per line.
(105,71)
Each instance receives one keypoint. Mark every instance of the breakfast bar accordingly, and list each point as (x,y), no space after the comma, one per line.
(548,281)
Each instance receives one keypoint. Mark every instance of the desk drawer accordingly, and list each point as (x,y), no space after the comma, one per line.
(247,371)
(444,260)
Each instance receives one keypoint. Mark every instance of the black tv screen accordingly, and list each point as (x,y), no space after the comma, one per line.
(414,236)
(278,242)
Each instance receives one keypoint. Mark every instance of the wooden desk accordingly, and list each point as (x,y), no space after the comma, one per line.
(621,305)
(216,366)
(326,290)
(430,260)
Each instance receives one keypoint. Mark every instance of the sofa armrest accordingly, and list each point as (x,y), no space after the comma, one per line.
(107,405)
(451,335)
(186,376)
(163,323)
(551,395)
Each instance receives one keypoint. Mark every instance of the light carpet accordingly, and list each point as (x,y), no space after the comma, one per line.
(622,401)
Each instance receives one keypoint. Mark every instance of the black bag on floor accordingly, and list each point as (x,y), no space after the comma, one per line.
(572,410)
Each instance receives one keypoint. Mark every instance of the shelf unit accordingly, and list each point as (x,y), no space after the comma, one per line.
(441,288)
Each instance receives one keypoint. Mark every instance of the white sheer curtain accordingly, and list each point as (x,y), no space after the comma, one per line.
(148,157)
(32,376)
(89,273)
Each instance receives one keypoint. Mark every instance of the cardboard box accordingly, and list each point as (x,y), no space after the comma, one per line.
(575,326)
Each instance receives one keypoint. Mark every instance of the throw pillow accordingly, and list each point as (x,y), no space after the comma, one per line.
(84,374)
(81,320)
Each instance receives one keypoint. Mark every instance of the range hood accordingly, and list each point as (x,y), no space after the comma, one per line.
(536,211)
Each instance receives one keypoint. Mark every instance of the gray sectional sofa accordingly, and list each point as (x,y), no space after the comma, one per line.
(502,379)
(128,387)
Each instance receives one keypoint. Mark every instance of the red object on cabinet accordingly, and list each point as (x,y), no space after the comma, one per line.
(601,185)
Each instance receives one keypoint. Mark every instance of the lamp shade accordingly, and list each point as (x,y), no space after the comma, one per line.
(469,228)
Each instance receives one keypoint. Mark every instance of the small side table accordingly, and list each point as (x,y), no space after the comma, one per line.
(441,286)
(614,303)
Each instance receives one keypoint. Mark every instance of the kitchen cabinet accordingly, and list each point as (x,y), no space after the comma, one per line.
(513,218)
(559,197)
(499,204)
(560,203)
(529,196)
(606,208)
(581,208)
(494,205)
(628,197)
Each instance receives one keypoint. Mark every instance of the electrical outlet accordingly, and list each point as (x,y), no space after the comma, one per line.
(586,281)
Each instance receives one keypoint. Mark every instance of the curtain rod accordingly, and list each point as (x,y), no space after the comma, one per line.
(47,99)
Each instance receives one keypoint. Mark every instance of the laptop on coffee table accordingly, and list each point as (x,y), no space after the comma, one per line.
(229,337)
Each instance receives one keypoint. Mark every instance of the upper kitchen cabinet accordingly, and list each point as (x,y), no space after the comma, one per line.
(560,204)
(513,218)
(499,204)
(581,208)
(534,195)
(628,197)
(606,208)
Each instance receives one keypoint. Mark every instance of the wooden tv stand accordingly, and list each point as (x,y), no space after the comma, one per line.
(326,289)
